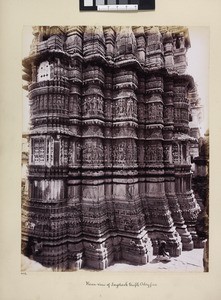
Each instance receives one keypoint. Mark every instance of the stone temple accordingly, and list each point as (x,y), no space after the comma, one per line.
(109,169)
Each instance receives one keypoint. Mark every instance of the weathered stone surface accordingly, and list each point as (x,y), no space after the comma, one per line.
(109,161)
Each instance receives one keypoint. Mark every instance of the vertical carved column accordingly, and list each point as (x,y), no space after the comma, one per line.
(168,51)
(74,41)
(108,160)
(141,145)
(141,43)
(110,36)
(135,244)
(74,47)
(159,211)
(97,247)
(169,166)
(154,49)
(181,157)
(180,45)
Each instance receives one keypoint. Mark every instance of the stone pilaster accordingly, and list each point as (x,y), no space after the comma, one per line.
(181,157)
(154,49)
(170,188)
(135,243)
(74,47)
(162,225)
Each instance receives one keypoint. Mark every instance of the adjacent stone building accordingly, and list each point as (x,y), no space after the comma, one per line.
(109,161)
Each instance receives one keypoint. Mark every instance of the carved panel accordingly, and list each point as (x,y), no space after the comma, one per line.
(175,153)
(93,105)
(75,105)
(119,152)
(93,152)
(155,112)
(154,153)
(108,153)
(73,42)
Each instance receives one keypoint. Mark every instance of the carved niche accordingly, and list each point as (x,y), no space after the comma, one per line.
(93,152)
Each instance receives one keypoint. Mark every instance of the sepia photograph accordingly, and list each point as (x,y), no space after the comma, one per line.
(115,149)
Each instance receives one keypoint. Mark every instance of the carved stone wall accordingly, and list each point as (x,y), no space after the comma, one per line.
(109,162)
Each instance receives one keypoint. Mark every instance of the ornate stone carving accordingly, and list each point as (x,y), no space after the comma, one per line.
(109,168)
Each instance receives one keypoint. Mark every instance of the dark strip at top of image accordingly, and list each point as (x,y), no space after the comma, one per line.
(91,5)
